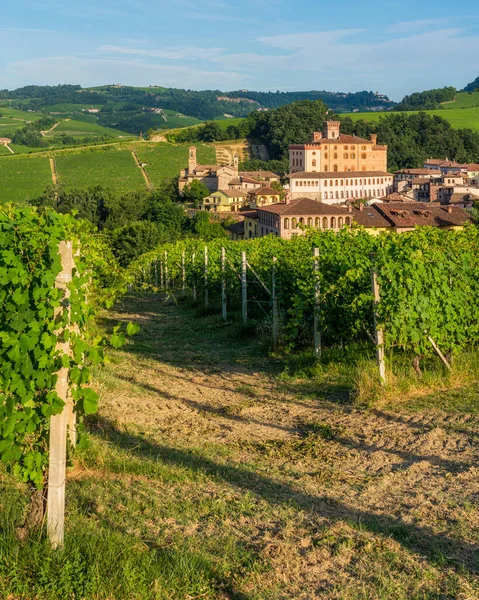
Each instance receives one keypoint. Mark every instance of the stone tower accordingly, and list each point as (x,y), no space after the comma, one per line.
(235,161)
(191,159)
(331,130)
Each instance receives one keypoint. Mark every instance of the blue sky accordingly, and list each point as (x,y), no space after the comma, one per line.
(394,46)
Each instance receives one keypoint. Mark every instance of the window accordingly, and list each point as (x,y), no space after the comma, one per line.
(342,194)
(331,195)
(325,222)
(353,155)
(345,147)
(347,194)
(310,222)
(325,183)
(335,147)
(301,221)
(336,183)
(346,155)
(340,221)
(337,195)
(325,155)
(335,167)
(353,168)
(317,222)
(360,182)
(331,183)
(363,155)
(369,182)
(314,153)
(363,147)
(333,222)
(314,162)
(286,223)
(347,221)
(294,222)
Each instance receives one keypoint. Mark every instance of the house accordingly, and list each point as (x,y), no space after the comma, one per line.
(215,177)
(444,165)
(289,219)
(5,141)
(333,188)
(224,201)
(264,196)
(332,151)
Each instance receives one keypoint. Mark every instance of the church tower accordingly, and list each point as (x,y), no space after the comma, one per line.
(331,130)
(191,159)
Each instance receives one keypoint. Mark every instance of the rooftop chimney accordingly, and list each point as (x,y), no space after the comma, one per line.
(361,206)
(449,208)
(374,138)
(350,208)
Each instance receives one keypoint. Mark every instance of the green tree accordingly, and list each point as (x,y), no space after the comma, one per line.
(195,192)
(132,240)
(203,227)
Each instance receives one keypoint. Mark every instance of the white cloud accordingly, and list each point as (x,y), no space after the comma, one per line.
(413,26)
(170,53)
(85,71)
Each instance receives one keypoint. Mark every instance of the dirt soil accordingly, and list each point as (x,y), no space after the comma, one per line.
(342,502)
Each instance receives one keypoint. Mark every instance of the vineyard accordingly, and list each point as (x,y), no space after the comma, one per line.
(426,280)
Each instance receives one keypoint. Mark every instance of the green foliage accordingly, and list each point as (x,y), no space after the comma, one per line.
(31,323)
(412,138)
(426,278)
(130,241)
(203,227)
(195,192)
(427,100)
(473,86)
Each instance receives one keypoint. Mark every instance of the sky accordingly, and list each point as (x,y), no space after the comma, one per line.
(392,46)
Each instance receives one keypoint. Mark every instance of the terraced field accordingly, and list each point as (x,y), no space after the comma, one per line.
(23,178)
(165,160)
(76,127)
(114,169)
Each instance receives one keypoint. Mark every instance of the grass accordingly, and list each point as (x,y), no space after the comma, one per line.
(165,160)
(459,118)
(217,471)
(113,168)
(23,178)
(463,100)
(82,128)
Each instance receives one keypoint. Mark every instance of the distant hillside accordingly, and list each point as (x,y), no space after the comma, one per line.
(473,86)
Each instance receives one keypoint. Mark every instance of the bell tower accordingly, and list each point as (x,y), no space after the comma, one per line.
(191,159)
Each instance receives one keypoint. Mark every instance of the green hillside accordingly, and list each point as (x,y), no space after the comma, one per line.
(463,100)
(23,178)
(459,118)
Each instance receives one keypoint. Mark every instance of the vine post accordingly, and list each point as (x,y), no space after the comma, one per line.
(193,289)
(183,272)
(156,273)
(378,330)
(317,292)
(167,282)
(244,288)
(223,284)
(59,422)
(275,306)
(161,275)
(206,278)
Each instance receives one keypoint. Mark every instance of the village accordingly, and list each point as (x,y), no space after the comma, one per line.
(336,180)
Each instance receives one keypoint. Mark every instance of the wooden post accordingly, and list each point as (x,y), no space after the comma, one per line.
(244,289)
(317,291)
(183,271)
(193,289)
(156,273)
(378,330)
(275,306)
(223,284)
(162,279)
(70,405)
(59,423)
(206,278)
(167,281)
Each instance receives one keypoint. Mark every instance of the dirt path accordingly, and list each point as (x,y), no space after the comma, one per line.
(53,169)
(329,498)
(45,133)
(149,185)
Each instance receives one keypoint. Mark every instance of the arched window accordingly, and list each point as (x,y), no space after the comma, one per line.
(369,182)
(314,162)
(374,182)
(325,155)
(301,221)
(331,195)
(325,222)
(345,147)
(317,222)
(335,147)
(353,155)
(347,220)
(310,222)
(333,222)
(337,195)
(347,194)
(294,222)
(286,223)
(340,222)
(325,183)
(325,169)
(360,182)
(335,155)
(346,155)
(363,147)
(342,194)
(336,183)
(363,155)
(353,168)
(335,167)
(331,183)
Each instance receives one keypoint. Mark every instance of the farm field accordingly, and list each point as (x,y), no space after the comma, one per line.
(217,471)
(465,118)
(82,128)
(463,100)
(165,160)
(23,178)
(114,169)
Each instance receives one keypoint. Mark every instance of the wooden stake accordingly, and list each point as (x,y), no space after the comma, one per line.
(183,271)
(167,281)
(162,279)
(223,284)
(193,289)
(59,423)
(439,353)
(317,291)
(207,301)
(244,289)
(156,273)
(379,333)
(275,306)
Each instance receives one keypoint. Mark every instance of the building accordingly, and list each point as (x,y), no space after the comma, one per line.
(332,151)
(332,188)
(5,141)
(264,196)
(224,201)
(444,165)
(289,219)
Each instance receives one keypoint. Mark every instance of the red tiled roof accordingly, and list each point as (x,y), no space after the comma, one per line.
(305,206)
(338,174)
(417,172)
(267,191)
(260,174)
(420,214)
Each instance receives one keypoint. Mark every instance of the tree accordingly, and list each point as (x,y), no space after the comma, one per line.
(132,240)
(211,132)
(202,226)
(195,192)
